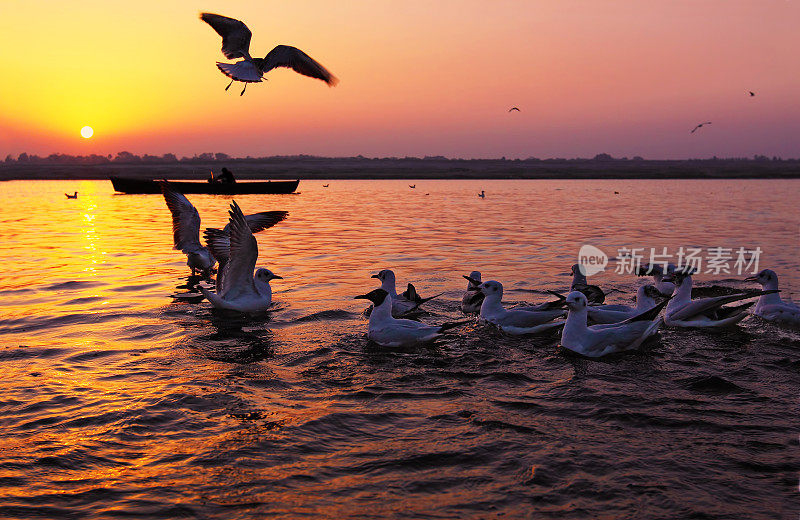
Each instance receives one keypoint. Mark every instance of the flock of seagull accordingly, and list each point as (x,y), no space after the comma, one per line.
(588,326)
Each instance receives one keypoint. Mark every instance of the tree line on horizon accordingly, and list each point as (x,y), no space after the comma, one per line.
(170,158)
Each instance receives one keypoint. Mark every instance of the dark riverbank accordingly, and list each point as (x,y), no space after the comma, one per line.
(310,168)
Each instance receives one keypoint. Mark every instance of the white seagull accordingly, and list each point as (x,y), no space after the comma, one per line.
(770,306)
(472,299)
(515,322)
(645,300)
(240,290)
(404,303)
(600,340)
(236,44)
(387,331)
(682,311)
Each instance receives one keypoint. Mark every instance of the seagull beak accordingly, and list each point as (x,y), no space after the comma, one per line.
(276,277)
(376,276)
(362,297)
(751,279)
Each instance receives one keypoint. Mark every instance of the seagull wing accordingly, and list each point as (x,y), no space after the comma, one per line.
(297,60)
(260,221)
(235,35)
(185,220)
(219,243)
(238,273)
(699,307)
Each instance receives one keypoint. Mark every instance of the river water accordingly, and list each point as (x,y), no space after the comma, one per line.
(121,401)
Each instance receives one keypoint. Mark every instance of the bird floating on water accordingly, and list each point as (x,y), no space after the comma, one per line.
(236,44)
(645,300)
(482,194)
(599,340)
(325,185)
(405,303)
(683,311)
(515,321)
(699,126)
(472,299)
(412,186)
(770,306)
(387,331)
(73,196)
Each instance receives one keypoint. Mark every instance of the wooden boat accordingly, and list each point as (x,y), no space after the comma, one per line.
(132,185)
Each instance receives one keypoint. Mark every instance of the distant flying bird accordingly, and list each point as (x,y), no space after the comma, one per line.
(236,44)
(325,185)
(699,126)
(513,108)
(752,94)
(412,186)
(73,196)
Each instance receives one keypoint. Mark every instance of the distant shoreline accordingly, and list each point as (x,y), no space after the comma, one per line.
(316,168)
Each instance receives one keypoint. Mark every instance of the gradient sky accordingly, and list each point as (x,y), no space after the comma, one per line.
(626,77)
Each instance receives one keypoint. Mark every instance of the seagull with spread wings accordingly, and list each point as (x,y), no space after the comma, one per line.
(236,44)
(241,290)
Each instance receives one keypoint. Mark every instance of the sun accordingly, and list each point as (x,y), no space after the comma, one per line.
(87,132)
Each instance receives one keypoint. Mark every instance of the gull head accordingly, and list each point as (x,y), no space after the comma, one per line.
(386,275)
(376,296)
(576,301)
(491,288)
(764,277)
(265,275)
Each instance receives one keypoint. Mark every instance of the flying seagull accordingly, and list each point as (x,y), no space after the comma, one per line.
(513,108)
(752,94)
(236,44)
(698,126)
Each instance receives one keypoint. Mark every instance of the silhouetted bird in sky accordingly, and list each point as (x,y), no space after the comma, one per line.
(513,108)
(752,94)
(236,44)
(325,185)
(73,196)
(412,186)
(699,126)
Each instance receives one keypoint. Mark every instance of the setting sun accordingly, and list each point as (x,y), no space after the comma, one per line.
(87,132)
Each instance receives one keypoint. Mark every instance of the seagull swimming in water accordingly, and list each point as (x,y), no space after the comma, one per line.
(515,321)
(770,306)
(682,311)
(240,290)
(404,303)
(699,126)
(472,299)
(73,196)
(482,194)
(599,340)
(387,331)
(236,44)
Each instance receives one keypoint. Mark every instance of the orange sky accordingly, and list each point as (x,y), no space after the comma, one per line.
(627,77)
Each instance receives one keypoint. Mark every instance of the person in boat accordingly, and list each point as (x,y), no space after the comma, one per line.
(226,177)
